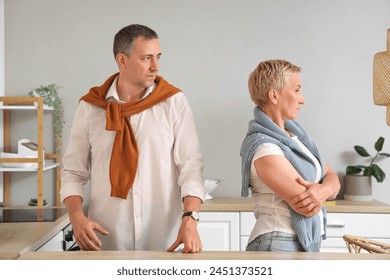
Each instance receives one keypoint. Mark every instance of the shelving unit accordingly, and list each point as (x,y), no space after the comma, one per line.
(28,103)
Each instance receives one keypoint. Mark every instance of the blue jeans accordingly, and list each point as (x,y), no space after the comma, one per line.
(275,241)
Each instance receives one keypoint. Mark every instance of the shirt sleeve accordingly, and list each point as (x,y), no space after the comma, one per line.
(266,149)
(187,152)
(76,172)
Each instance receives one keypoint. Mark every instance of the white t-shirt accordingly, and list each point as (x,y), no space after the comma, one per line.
(271,211)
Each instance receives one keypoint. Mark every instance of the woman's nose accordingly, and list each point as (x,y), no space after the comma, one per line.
(302,99)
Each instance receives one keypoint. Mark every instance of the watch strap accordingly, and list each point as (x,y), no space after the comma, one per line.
(193,214)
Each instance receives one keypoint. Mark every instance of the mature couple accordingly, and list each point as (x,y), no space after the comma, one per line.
(134,138)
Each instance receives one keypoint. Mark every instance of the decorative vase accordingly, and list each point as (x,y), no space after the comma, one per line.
(357,188)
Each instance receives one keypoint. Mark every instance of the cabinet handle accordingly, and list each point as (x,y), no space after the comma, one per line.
(335,224)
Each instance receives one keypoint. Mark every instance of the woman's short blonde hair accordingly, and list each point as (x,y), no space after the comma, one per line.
(268,75)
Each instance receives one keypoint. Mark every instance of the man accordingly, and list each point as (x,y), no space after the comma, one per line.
(134,137)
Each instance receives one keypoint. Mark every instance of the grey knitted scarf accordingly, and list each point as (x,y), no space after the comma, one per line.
(263,130)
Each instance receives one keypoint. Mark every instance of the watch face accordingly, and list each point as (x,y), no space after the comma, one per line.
(195,215)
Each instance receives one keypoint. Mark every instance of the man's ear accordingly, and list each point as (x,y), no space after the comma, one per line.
(273,96)
(121,60)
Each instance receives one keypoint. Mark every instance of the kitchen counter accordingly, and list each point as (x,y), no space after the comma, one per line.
(336,206)
(19,239)
(206,255)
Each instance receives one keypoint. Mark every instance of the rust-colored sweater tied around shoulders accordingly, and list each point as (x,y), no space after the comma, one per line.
(124,156)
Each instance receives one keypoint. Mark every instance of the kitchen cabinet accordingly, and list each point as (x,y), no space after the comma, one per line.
(17,238)
(371,226)
(219,231)
(247,222)
(28,103)
(367,219)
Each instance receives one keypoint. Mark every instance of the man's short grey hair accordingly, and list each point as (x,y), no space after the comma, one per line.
(125,38)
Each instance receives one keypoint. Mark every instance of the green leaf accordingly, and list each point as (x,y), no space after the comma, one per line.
(51,98)
(384,154)
(353,170)
(368,171)
(379,144)
(361,151)
(378,173)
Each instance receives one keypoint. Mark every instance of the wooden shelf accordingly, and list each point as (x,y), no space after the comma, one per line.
(27,169)
(29,103)
(24,107)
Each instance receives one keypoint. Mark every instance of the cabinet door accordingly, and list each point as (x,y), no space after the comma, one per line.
(367,225)
(219,231)
(247,222)
(372,226)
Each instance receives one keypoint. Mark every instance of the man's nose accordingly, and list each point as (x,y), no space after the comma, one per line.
(154,64)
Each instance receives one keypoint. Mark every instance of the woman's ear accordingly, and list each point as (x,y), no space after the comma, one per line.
(273,96)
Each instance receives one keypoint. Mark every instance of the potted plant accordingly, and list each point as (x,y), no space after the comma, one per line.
(34,202)
(52,99)
(358,179)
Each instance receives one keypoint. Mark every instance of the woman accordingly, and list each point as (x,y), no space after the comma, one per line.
(281,165)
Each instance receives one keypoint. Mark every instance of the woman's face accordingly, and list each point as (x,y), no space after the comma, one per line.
(290,97)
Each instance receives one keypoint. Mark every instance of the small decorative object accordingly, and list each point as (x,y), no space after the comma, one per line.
(210,185)
(358,180)
(52,99)
(381,78)
(34,202)
(26,149)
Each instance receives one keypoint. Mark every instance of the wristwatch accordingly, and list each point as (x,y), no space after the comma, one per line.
(193,214)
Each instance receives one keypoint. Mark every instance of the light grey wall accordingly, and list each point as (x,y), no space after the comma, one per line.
(209,47)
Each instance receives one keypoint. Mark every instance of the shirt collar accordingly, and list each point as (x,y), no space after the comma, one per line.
(113,94)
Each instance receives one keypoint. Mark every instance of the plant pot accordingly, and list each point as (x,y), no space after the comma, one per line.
(357,188)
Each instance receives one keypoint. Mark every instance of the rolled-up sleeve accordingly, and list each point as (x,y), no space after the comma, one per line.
(76,161)
(187,153)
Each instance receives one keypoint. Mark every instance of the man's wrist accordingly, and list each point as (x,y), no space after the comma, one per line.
(193,214)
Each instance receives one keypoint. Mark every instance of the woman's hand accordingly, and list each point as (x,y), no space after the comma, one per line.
(309,202)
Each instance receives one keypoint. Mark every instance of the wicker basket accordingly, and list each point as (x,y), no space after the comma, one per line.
(355,244)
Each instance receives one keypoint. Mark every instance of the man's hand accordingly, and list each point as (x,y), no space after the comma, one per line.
(84,232)
(188,234)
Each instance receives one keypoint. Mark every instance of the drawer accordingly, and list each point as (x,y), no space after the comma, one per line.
(365,225)
(334,245)
(247,222)
(339,245)
(339,224)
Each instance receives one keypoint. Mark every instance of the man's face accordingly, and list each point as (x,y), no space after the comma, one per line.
(141,66)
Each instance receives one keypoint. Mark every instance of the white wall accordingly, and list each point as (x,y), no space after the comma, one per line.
(209,47)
